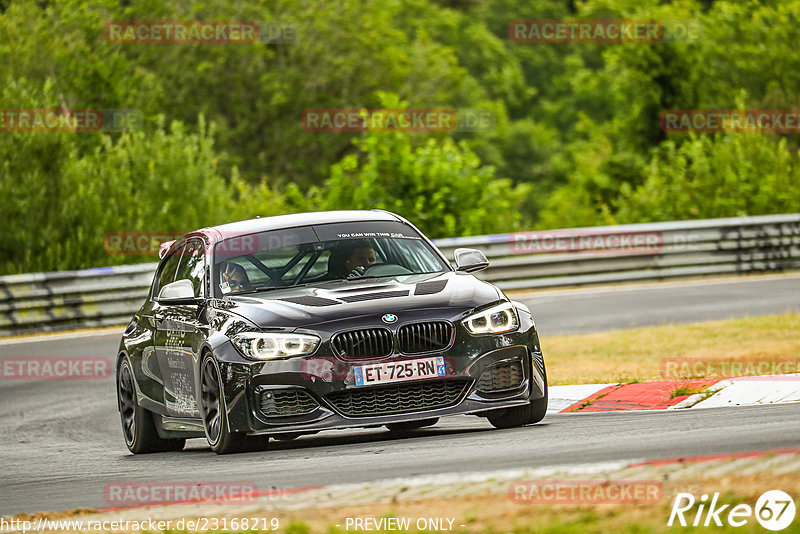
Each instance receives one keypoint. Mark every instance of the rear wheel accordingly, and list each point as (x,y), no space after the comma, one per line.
(138,426)
(409,426)
(522,415)
(214,414)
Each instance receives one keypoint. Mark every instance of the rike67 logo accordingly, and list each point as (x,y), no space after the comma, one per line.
(774,510)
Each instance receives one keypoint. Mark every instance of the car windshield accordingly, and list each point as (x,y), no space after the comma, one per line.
(321,253)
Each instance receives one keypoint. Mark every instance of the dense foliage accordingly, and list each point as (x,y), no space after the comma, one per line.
(576,138)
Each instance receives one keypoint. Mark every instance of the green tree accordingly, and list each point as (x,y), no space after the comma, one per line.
(160,181)
(439,185)
(722,176)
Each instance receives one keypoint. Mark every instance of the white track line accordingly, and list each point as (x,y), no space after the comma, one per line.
(37,338)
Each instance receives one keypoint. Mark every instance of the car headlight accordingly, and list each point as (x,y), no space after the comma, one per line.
(496,320)
(272,345)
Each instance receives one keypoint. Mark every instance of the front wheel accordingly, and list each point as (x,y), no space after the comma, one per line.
(215,416)
(530,414)
(138,426)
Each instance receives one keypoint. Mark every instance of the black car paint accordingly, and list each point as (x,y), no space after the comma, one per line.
(165,345)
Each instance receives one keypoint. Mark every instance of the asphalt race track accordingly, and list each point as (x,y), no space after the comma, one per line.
(60,441)
(632,305)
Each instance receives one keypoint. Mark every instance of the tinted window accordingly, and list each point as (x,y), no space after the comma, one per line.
(192,266)
(168,269)
(321,253)
(365,230)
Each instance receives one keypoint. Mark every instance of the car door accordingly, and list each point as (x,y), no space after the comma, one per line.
(180,334)
(146,366)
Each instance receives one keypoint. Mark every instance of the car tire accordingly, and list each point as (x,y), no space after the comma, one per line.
(138,426)
(530,414)
(215,416)
(409,426)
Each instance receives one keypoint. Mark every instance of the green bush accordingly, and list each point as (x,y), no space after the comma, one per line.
(577,140)
(440,186)
(160,181)
(724,176)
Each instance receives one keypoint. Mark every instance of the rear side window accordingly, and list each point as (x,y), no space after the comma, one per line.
(168,269)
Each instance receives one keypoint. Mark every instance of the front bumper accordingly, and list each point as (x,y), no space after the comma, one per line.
(326,384)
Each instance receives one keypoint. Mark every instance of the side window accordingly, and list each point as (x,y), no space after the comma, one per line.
(168,268)
(192,265)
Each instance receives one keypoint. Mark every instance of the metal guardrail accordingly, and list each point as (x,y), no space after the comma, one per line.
(523,260)
(656,251)
(62,300)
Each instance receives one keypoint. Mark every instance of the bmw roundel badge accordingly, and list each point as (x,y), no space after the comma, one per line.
(389,318)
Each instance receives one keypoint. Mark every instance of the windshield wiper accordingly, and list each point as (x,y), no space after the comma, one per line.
(259,290)
(273,288)
(372,277)
(320,282)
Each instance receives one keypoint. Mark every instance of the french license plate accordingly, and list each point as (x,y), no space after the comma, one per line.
(381,373)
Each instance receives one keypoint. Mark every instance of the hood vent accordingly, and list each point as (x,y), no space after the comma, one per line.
(373,296)
(429,288)
(309,300)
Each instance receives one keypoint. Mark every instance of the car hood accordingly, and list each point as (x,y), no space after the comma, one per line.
(371,298)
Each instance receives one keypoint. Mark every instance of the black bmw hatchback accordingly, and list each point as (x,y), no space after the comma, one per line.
(289,325)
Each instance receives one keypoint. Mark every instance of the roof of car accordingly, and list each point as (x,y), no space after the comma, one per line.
(279,222)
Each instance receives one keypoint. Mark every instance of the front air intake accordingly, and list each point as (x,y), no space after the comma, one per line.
(366,343)
(424,337)
(398,398)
